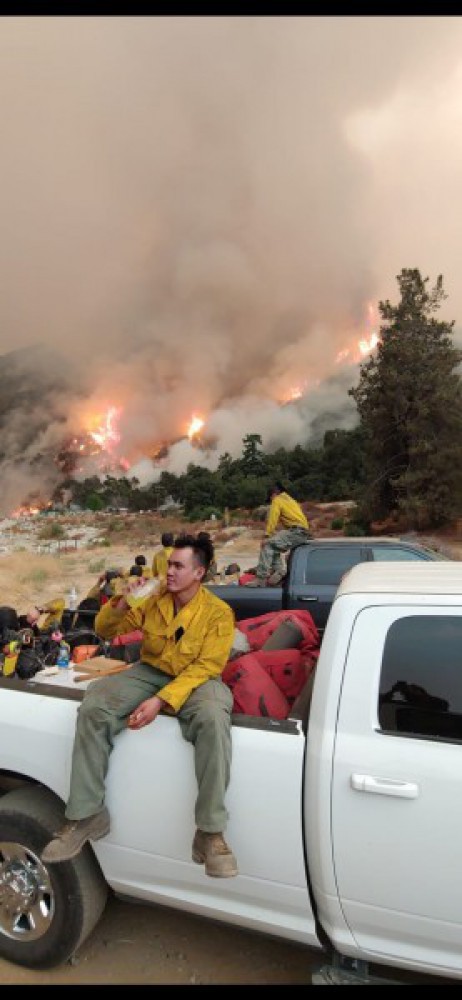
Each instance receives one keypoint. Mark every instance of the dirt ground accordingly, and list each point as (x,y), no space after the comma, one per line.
(144,945)
(133,943)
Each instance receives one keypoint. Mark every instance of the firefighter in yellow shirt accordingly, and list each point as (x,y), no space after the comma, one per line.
(146,570)
(188,633)
(159,563)
(286,526)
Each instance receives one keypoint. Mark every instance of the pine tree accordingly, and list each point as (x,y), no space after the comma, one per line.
(409,399)
(252,455)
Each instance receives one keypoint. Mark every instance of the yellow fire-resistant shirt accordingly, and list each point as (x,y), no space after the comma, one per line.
(195,656)
(53,612)
(159,563)
(285,512)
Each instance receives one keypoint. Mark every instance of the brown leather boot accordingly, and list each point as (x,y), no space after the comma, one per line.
(70,839)
(212,849)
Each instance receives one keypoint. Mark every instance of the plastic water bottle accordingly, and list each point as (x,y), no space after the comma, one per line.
(63,655)
(72,599)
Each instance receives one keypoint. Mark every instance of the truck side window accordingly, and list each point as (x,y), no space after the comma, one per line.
(421,680)
(327,566)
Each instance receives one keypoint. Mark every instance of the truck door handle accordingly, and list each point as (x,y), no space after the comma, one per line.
(307,600)
(384,786)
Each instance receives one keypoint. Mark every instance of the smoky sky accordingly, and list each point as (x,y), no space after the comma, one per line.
(198,212)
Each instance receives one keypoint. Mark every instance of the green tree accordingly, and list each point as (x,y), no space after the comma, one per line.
(94,502)
(252,455)
(343,464)
(409,399)
(225,466)
(201,488)
(252,492)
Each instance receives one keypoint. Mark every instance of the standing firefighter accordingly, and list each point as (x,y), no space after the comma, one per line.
(160,560)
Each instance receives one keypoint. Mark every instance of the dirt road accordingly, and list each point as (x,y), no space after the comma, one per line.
(144,945)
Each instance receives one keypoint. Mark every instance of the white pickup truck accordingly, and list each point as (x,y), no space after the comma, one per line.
(347,825)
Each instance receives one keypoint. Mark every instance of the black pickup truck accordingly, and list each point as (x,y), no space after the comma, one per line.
(314,571)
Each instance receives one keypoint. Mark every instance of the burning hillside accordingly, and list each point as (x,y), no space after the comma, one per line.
(53,430)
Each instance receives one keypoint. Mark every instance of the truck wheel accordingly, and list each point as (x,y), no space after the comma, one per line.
(46,912)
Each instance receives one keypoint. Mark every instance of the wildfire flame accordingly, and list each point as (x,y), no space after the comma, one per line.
(360,350)
(292,394)
(366,346)
(195,426)
(106,434)
(354,353)
(25,511)
(98,443)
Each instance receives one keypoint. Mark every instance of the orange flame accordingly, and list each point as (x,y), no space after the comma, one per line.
(106,434)
(295,392)
(366,346)
(195,426)
(25,511)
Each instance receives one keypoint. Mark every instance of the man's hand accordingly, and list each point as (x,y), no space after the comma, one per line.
(145,713)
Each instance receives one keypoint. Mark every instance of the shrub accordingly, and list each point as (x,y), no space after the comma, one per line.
(204,514)
(97,566)
(37,577)
(337,524)
(114,524)
(53,530)
(353,530)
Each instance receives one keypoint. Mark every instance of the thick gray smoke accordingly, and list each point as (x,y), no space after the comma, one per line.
(198,212)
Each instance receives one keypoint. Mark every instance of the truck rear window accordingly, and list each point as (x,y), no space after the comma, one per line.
(327,566)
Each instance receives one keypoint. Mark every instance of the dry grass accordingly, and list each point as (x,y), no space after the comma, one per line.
(28,578)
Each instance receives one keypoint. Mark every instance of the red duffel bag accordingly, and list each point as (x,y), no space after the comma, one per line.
(266,682)
(286,669)
(259,629)
(127,638)
(254,691)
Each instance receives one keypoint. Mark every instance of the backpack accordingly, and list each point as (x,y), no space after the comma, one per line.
(28,663)
(127,647)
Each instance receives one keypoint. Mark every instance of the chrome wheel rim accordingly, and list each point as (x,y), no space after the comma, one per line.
(27,901)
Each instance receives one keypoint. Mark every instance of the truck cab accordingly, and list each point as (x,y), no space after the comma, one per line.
(316,568)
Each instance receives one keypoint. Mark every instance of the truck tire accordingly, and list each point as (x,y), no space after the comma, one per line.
(46,912)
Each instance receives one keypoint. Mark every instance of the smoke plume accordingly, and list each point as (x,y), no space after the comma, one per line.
(197,213)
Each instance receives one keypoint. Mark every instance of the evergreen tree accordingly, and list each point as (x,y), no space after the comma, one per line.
(342,464)
(252,455)
(225,466)
(409,399)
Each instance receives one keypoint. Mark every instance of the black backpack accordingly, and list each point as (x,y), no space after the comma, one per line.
(28,663)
